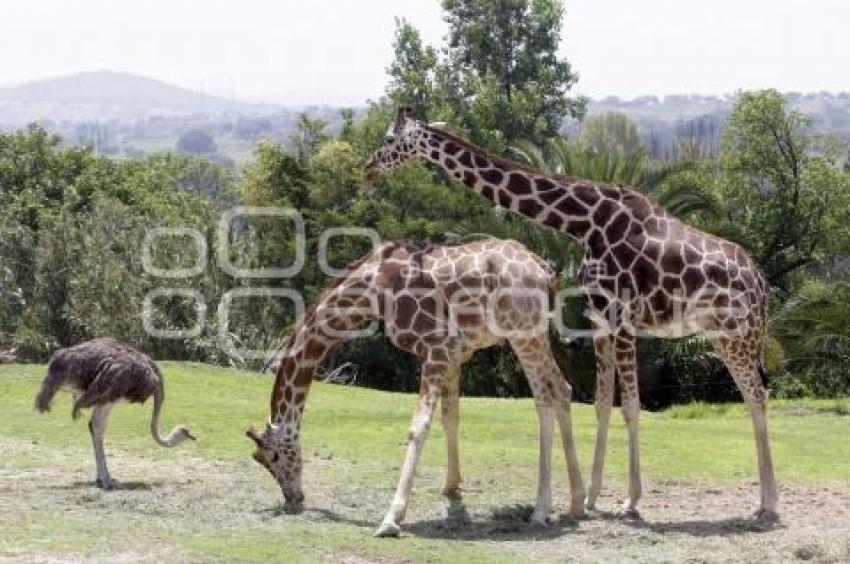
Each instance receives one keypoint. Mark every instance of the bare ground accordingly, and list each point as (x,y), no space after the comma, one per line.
(49,511)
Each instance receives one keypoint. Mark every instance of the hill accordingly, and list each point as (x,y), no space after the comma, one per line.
(107,95)
(108,87)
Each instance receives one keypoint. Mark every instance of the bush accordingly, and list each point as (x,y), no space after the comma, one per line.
(196,142)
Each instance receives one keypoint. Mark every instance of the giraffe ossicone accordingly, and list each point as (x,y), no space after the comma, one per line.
(440,303)
(644,271)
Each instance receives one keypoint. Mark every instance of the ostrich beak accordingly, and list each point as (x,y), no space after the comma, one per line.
(189,435)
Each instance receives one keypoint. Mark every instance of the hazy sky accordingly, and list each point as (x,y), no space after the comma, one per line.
(319,51)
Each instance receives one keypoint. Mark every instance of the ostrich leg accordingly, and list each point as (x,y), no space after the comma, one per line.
(97,428)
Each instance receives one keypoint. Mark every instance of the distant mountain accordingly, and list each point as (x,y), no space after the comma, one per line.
(106,95)
(108,87)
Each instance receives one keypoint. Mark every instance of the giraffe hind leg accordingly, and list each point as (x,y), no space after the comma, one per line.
(552,394)
(626,363)
(449,407)
(741,358)
(605,371)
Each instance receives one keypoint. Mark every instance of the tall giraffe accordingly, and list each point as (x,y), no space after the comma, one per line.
(643,270)
(440,303)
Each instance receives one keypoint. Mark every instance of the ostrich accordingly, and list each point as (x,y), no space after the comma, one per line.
(99,373)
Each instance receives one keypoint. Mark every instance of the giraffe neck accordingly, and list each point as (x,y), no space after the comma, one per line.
(293,380)
(311,341)
(565,204)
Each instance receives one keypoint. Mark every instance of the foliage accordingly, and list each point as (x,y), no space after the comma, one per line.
(499,76)
(678,186)
(783,194)
(612,133)
(813,329)
(309,135)
(72,222)
(274,177)
(196,142)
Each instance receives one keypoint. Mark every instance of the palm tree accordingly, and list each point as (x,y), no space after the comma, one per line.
(813,328)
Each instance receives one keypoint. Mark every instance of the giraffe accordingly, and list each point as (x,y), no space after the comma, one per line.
(644,272)
(440,303)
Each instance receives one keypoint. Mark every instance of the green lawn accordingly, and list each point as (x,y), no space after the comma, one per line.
(208,500)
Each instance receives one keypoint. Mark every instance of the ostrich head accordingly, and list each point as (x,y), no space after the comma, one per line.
(182,433)
(401,143)
(279,452)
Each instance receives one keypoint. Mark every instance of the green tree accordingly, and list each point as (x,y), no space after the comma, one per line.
(309,135)
(335,172)
(781,196)
(274,177)
(412,72)
(813,328)
(196,142)
(499,76)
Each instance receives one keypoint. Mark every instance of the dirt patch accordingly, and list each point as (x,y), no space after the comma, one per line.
(53,513)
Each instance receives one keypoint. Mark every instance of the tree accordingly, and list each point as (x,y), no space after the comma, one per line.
(781,195)
(499,76)
(612,133)
(196,142)
(274,177)
(813,328)
(412,71)
(336,173)
(309,135)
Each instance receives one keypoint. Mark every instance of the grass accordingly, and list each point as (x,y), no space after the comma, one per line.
(208,500)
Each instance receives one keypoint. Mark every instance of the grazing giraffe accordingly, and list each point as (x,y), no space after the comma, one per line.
(440,303)
(644,271)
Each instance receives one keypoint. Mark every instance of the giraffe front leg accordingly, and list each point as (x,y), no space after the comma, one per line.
(626,363)
(604,350)
(97,428)
(428,395)
(543,506)
(450,417)
(577,490)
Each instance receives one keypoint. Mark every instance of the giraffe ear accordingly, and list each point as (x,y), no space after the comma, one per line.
(438,125)
(252,434)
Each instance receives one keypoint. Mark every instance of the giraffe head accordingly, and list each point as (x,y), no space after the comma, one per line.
(401,142)
(279,452)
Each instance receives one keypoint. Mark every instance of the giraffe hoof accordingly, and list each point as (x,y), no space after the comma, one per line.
(538,522)
(766,516)
(578,512)
(106,484)
(631,514)
(388,530)
(451,492)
